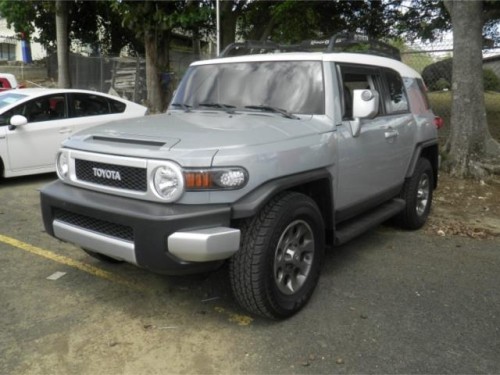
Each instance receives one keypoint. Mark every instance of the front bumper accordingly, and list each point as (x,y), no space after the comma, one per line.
(164,238)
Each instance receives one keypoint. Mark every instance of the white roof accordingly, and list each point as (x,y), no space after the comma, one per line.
(341,57)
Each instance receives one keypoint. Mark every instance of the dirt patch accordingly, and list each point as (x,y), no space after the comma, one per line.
(465,208)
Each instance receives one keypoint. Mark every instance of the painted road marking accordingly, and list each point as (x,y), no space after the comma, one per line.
(95,271)
(240,320)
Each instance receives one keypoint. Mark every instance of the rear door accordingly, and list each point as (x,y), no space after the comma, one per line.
(371,166)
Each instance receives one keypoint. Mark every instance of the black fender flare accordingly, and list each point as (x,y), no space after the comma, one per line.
(429,150)
(250,204)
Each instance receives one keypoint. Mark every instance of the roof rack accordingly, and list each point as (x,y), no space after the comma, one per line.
(359,43)
(251,47)
(344,42)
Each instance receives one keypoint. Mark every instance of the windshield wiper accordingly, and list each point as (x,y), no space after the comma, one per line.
(269,108)
(185,107)
(226,107)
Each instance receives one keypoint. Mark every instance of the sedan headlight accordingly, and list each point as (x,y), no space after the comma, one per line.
(168,182)
(62,165)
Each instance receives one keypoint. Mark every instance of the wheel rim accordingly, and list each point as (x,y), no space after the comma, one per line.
(423,192)
(294,257)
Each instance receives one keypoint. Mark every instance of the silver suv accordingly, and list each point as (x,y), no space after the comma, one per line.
(265,157)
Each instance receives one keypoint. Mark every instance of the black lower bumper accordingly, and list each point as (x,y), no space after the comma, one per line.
(145,224)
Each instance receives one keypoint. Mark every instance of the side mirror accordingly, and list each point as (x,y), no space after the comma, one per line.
(17,120)
(365,105)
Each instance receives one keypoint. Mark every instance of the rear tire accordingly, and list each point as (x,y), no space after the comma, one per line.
(417,193)
(277,267)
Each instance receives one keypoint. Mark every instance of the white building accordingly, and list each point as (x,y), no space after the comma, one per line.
(11,48)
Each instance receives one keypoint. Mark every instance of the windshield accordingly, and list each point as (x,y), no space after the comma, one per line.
(292,86)
(9,98)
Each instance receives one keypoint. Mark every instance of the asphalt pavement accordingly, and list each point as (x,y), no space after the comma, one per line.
(389,302)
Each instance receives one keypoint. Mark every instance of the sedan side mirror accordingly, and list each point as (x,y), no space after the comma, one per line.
(365,105)
(17,120)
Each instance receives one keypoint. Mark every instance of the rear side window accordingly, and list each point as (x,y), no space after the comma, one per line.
(116,106)
(397,101)
(83,105)
(417,95)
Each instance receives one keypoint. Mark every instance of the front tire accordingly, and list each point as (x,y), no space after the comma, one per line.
(277,267)
(417,193)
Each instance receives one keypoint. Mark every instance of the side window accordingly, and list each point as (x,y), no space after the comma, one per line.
(397,101)
(46,108)
(116,106)
(357,78)
(417,95)
(6,116)
(83,105)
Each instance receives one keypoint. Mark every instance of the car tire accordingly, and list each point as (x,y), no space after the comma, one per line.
(417,193)
(102,257)
(277,267)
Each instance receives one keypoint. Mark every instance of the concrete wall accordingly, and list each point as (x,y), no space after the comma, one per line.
(25,72)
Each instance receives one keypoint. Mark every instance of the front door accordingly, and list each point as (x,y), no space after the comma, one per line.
(34,146)
(372,165)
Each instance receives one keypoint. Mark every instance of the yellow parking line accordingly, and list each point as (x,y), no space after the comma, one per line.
(241,320)
(68,262)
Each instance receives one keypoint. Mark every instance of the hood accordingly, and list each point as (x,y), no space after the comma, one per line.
(199,131)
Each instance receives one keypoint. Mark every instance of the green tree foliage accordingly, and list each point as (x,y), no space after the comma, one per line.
(154,22)
(440,70)
(424,19)
(293,21)
(19,16)
(490,80)
(90,22)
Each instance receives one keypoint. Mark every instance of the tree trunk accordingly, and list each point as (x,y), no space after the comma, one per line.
(469,143)
(155,97)
(63,76)
(229,18)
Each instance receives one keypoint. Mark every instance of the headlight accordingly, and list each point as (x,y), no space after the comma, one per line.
(62,165)
(168,182)
(216,179)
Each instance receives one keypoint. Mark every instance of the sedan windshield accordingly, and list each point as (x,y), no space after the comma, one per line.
(291,86)
(9,98)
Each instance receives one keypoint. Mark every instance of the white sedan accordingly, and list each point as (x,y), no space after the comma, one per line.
(34,122)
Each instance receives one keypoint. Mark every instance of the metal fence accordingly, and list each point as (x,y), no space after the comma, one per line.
(123,76)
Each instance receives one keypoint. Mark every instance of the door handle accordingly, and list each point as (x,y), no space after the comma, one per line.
(391,133)
(64,130)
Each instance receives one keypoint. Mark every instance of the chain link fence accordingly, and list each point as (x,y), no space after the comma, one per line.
(123,76)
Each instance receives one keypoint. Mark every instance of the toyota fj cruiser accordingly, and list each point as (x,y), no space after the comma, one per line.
(265,157)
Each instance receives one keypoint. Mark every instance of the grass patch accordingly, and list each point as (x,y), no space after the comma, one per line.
(441,105)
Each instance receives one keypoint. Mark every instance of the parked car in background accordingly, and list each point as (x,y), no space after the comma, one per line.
(34,122)
(8,82)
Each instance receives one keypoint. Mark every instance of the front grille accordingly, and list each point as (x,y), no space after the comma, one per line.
(96,225)
(117,176)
